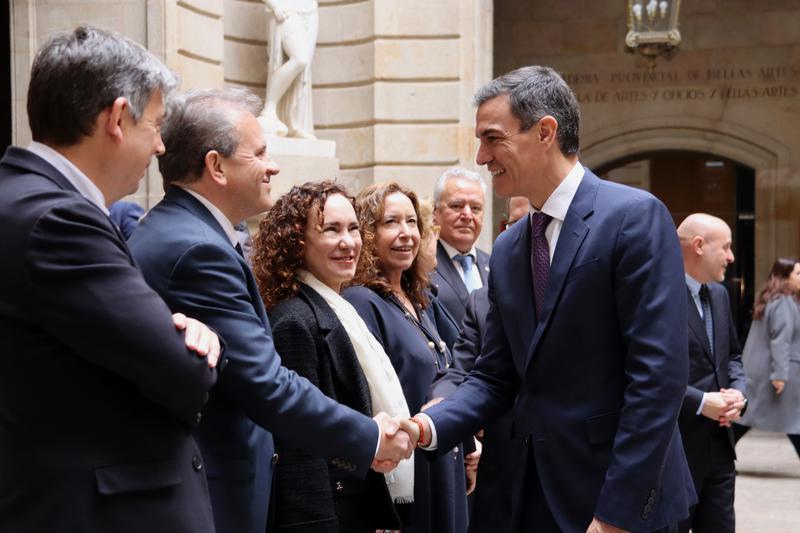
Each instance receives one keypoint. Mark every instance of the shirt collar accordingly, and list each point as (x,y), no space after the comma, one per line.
(693,284)
(558,203)
(452,252)
(223,221)
(74,175)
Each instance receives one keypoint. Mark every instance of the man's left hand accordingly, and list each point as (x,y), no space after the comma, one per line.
(198,338)
(735,411)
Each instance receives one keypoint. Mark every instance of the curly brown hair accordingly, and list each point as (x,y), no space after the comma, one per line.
(370,205)
(777,284)
(279,245)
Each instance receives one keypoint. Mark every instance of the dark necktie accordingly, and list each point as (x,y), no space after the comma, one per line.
(705,303)
(540,258)
(238,247)
(465,260)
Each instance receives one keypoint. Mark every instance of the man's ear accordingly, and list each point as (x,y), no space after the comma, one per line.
(547,127)
(697,244)
(213,165)
(112,117)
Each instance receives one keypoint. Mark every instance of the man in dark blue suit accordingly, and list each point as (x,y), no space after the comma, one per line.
(98,392)
(587,303)
(461,267)
(715,395)
(217,172)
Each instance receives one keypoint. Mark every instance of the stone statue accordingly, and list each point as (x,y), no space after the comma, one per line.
(293,27)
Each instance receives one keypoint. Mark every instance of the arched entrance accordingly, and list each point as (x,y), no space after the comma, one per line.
(689,182)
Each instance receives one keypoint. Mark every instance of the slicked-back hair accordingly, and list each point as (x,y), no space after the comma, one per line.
(455,172)
(78,74)
(198,122)
(535,92)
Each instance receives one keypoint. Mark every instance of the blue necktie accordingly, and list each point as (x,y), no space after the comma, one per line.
(705,303)
(540,258)
(465,260)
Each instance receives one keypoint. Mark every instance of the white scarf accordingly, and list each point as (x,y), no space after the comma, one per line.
(385,390)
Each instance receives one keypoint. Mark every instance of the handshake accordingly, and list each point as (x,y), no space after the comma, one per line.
(399,437)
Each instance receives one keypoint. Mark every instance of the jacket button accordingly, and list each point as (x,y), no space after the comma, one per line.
(339,486)
(274,458)
(197,418)
(652,492)
(197,464)
(526,441)
(650,500)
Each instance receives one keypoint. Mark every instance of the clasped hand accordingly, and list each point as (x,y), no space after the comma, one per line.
(396,443)
(724,406)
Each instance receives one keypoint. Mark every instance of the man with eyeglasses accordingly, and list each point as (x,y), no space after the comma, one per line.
(458,198)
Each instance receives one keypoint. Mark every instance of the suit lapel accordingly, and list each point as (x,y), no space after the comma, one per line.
(448,272)
(523,317)
(573,233)
(344,362)
(483,265)
(698,327)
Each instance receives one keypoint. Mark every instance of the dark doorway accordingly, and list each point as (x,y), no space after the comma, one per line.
(5,79)
(690,182)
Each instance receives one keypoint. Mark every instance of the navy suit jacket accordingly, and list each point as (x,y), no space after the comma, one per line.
(98,393)
(709,373)
(600,376)
(451,291)
(186,257)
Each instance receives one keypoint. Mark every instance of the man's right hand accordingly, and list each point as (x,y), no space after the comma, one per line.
(395,445)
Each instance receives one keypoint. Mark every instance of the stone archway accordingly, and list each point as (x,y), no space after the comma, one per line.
(767,156)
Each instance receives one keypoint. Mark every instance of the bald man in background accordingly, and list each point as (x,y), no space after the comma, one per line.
(715,394)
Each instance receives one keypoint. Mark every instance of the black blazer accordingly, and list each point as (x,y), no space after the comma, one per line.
(709,373)
(311,495)
(450,287)
(98,393)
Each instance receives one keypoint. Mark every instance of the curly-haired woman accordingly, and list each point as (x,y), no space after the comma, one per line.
(772,356)
(307,247)
(392,298)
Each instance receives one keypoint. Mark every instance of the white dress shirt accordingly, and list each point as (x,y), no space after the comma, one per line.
(475,274)
(694,290)
(74,175)
(556,206)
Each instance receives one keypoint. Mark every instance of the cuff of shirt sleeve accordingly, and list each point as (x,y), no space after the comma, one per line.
(378,445)
(434,441)
(702,403)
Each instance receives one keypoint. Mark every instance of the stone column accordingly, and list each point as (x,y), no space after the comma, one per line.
(393,83)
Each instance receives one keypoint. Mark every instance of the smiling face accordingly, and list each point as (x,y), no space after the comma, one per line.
(460,213)
(397,235)
(249,169)
(511,155)
(332,245)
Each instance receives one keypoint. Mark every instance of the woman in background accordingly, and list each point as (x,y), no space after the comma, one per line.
(772,356)
(308,246)
(392,298)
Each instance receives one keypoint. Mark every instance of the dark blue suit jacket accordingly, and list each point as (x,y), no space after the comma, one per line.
(709,373)
(450,288)
(601,375)
(98,393)
(186,257)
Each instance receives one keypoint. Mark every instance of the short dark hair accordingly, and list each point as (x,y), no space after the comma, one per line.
(198,122)
(78,74)
(535,92)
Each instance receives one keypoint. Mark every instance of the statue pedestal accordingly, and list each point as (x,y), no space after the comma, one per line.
(301,160)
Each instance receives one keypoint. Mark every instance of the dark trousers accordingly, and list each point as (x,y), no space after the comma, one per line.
(714,478)
(739,430)
(532,506)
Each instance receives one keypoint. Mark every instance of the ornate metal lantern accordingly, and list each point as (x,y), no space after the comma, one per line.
(653,28)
